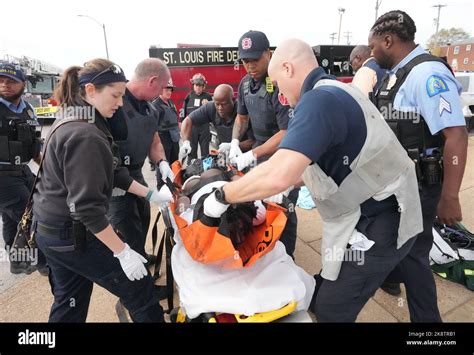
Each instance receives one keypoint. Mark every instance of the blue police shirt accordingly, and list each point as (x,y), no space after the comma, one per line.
(19,109)
(329,128)
(431,90)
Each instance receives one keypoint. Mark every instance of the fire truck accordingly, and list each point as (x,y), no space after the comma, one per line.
(41,81)
(221,65)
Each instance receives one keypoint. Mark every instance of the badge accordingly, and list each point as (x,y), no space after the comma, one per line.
(246,43)
(197,103)
(269,85)
(444,105)
(391,81)
(435,85)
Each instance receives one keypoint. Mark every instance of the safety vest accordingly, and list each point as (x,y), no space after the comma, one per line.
(412,132)
(18,140)
(381,169)
(208,242)
(141,130)
(168,121)
(261,112)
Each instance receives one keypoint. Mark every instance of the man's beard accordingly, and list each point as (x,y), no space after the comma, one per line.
(385,62)
(13,97)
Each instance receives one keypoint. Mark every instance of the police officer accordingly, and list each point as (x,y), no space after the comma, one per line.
(221,113)
(420,102)
(368,75)
(19,144)
(134,128)
(260,103)
(71,198)
(168,128)
(195,99)
(333,146)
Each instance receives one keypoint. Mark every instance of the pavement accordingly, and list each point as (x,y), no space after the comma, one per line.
(28,298)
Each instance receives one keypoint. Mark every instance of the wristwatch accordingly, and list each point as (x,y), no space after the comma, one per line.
(220,195)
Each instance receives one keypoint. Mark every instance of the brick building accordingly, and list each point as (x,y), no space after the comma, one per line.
(460,55)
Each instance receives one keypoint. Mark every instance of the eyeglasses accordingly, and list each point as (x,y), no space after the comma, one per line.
(114,68)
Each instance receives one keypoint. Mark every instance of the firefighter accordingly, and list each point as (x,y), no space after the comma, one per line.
(168,128)
(18,145)
(420,101)
(195,99)
(368,75)
(134,128)
(260,104)
(221,113)
(339,146)
(71,198)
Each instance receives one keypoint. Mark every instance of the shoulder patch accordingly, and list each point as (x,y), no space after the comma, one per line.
(435,85)
(282,99)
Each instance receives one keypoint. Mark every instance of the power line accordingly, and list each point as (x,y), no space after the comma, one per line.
(439,6)
(348,37)
(332,36)
(377,5)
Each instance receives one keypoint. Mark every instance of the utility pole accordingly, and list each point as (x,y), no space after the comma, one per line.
(341,12)
(377,5)
(332,36)
(439,6)
(348,36)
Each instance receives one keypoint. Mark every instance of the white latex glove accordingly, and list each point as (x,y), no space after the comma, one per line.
(214,208)
(224,147)
(244,160)
(261,213)
(234,149)
(132,263)
(166,171)
(162,197)
(278,198)
(184,150)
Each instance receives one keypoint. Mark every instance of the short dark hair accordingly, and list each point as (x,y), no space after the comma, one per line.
(396,22)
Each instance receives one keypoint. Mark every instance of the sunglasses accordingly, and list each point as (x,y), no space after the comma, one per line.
(114,68)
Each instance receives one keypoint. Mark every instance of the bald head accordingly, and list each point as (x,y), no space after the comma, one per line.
(291,63)
(150,78)
(150,67)
(359,55)
(224,100)
(224,92)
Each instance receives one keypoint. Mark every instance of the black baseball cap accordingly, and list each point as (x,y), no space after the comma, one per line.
(252,45)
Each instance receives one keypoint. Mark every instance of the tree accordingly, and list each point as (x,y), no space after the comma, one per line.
(445,37)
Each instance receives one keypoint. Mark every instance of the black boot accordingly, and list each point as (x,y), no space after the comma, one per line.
(392,288)
(21,267)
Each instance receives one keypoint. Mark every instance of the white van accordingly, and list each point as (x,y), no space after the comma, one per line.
(467,81)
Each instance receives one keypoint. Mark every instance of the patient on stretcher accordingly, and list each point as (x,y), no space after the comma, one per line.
(215,264)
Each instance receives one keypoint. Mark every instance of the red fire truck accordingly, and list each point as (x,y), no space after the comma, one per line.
(221,65)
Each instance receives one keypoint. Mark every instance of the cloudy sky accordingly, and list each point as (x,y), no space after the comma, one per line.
(51,31)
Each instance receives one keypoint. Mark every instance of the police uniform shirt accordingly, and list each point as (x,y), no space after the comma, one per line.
(329,128)
(282,112)
(431,89)
(208,114)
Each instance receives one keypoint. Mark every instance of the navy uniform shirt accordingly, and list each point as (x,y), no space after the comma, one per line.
(282,113)
(208,114)
(329,128)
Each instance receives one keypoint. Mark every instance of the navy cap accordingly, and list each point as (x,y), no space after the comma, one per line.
(252,45)
(13,71)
